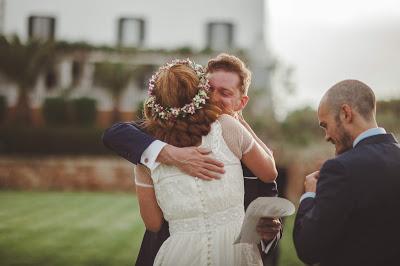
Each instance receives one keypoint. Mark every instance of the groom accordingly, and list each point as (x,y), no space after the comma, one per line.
(349,213)
(229,80)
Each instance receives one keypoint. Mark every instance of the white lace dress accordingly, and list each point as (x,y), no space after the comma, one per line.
(205,217)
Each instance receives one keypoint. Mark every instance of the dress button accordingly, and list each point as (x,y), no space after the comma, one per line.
(146,160)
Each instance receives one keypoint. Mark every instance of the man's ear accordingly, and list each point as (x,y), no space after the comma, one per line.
(243,102)
(346,113)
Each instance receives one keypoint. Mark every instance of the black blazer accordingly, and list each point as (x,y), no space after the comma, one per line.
(353,220)
(127,140)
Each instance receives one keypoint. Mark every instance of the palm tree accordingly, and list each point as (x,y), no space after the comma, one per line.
(22,64)
(114,77)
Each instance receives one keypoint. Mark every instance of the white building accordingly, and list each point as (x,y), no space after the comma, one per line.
(223,25)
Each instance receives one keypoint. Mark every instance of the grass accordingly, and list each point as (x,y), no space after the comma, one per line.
(69,228)
(288,256)
(79,228)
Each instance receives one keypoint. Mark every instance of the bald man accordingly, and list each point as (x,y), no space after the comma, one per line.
(348,214)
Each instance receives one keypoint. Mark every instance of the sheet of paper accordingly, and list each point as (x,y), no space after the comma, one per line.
(273,207)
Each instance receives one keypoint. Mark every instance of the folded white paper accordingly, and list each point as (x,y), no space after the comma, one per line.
(272,207)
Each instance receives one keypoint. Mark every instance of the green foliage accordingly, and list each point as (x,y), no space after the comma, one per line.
(391,106)
(185,50)
(22,63)
(51,140)
(84,111)
(3,107)
(301,126)
(55,111)
(58,111)
(388,115)
(140,110)
(112,76)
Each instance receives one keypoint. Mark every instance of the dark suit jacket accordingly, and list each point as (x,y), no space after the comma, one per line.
(129,142)
(353,220)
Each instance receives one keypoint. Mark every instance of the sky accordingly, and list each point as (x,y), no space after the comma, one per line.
(327,41)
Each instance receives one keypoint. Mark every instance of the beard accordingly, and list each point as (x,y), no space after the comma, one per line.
(344,141)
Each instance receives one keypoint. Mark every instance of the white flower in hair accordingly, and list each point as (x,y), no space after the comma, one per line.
(197,102)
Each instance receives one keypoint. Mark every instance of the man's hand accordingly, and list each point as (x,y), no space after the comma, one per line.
(193,161)
(310,184)
(268,228)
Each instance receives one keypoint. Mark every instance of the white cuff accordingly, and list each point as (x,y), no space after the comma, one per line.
(307,195)
(266,248)
(149,156)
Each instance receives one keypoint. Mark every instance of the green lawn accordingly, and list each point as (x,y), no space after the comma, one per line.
(288,256)
(69,228)
(72,228)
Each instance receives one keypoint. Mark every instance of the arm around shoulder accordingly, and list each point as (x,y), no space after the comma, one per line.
(127,140)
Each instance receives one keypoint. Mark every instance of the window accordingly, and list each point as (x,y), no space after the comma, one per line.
(42,28)
(77,72)
(130,32)
(51,79)
(220,36)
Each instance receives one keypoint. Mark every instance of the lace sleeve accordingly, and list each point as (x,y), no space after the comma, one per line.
(236,136)
(143,179)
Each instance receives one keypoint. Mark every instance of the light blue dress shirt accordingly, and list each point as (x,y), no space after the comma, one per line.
(367,133)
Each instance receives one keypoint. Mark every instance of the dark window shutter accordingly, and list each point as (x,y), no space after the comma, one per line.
(52,28)
(231,32)
(30,27)
(142,31)
(209,34)
(119,37)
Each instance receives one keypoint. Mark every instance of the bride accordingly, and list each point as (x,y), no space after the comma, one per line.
(204,217)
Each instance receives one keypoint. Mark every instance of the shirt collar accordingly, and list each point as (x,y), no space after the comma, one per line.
(369,133)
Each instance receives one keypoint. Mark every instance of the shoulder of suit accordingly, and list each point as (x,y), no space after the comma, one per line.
(351,156)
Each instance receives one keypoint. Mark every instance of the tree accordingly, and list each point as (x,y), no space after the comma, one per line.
(301,126)
(388,115)
(22,64)
(114,77)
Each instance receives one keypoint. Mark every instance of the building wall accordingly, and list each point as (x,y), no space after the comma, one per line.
(169,24)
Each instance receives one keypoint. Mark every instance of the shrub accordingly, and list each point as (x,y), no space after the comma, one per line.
(84,111)
(3,108)
(55,111)
(51,140)
(301,127)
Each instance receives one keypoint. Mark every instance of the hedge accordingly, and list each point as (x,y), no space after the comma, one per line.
(58,111)
(55,111)
(3,107)
(84,111)
(51,140)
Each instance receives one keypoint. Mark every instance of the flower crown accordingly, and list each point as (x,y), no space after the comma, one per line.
(171,113)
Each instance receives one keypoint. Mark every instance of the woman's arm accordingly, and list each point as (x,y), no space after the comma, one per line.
(240,117)
(260,161)
(151,213)
(268,171)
